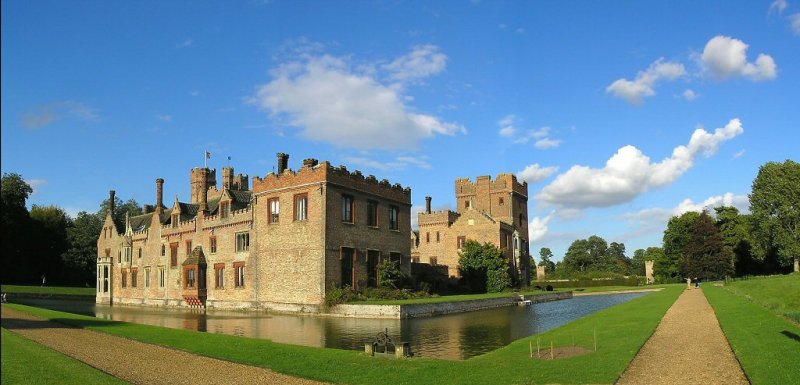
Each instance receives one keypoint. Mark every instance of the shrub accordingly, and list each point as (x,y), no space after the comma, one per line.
(483,268)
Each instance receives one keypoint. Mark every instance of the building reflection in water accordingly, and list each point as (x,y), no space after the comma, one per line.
(454,336)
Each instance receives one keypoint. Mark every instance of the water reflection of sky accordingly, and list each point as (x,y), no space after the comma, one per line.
(454,336)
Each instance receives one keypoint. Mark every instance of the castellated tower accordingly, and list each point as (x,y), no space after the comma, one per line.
(202,179)
(504,198)
(231,182)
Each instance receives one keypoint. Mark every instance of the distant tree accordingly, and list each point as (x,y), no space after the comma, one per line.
(81,256)
(676,236)
(775,206)
(50,229)
(705,254)
(617,260)
(483,267)
(130,206)
(637,262)
(546,259)
(590,254)
(661,265)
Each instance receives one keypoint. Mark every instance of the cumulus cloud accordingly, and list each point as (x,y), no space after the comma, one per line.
(546,143)
(690,95)
(538,227)
(507,129)
(739,154)
(634,91)
(534,173)
(46,114)
(656,218)
(330,100)
(725,57)
(629,173)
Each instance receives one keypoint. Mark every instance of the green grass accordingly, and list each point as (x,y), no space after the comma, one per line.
(447,298)
(621,331)
(598,289)
(780,294)
(27,362)
(767,346)
(48,290)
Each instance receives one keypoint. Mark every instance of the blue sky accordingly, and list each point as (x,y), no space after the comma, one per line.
(619,114)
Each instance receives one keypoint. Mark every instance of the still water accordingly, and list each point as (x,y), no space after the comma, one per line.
(454,336)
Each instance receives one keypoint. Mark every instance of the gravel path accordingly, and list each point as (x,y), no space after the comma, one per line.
(688,347)
(137,362)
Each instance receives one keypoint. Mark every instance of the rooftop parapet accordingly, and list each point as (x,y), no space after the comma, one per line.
(437,217)
(503,182)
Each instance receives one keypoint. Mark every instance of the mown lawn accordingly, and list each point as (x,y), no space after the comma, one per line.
(48,290)
(781,294)
(767,346)
(621,331)
(27,362)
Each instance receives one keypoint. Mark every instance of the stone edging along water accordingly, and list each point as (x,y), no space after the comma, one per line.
(434,309)
(72,297)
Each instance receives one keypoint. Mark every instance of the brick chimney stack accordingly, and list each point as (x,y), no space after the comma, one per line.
(111,196)
(283,162)
(427,205)
(159,195)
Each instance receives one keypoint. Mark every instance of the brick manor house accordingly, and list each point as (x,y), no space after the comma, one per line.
(488,210)
(280,245)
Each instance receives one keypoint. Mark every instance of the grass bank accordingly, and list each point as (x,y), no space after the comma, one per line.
(89,291)
(780,294)
(621,331)
(767,346)
(27,362)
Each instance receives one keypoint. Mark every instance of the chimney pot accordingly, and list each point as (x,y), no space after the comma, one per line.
(111,196)
(283,162)
(427,205)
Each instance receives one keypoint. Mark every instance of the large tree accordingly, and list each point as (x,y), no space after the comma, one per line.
(736,229)
(590,254)
(676,236)
(637,262)
(483,267)
(617,260)
(15,230)
(546,260)
(775,206)
(131,206)
(81,256)
(705,254)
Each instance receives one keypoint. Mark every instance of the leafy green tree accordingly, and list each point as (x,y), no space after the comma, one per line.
(590,254)
(483,267)
(676,236)
(16,230)
(637,262)
(616,259)
(81,256)
(775,206)
(390,275)
(546,259)
(705,254)
(736,232)
(661,264)
(50,231)
(120,209)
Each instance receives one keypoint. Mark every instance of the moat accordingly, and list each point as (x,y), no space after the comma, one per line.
(454,336)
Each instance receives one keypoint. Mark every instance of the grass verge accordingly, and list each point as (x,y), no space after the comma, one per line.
(48,290)
(767,346)
(27,362)
(781,294)
(621,331)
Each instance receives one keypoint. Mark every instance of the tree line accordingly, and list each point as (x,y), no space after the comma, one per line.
(707,244)
(44,245)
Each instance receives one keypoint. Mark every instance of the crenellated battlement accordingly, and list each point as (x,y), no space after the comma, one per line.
(314,172)
(504,182)
(445,217)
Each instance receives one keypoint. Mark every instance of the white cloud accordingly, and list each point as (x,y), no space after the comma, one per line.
(164,118)
(777,6)
(537,227)
(655,219)
(423,61)
(739,154)
(794,22)
(46,114)
(629,173)
(399,163)
(690,95)
(186,43)
(725,57)
(534,173)
(546,143)
(331,101)
(507,129)
(635,90)
(36,185)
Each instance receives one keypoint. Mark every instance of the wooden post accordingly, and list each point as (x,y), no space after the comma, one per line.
(530,348)
(594,331)
(538,353)
(551,349)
